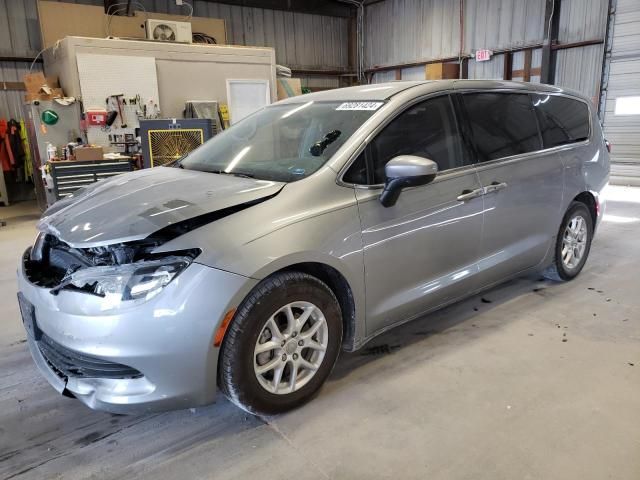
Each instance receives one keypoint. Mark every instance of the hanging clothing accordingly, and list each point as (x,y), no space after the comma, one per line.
(15,142)
(6,155)
(28,167)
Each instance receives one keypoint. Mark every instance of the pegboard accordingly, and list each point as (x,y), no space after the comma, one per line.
(105,75)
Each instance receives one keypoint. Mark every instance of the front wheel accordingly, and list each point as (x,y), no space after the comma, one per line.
(573,243)
(281,344)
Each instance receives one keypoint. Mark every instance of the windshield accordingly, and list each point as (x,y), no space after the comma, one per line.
(281,143)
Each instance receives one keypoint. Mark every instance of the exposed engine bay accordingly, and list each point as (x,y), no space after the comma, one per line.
(119,268)
(50,259)
(53,264)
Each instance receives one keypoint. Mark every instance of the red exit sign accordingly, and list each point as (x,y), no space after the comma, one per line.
(483,55)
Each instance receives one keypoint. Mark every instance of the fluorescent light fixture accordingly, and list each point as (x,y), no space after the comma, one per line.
(627,106)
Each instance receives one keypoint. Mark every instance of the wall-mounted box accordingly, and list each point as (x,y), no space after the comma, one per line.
(442,71)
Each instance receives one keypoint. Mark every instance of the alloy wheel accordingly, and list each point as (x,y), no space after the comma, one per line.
(290,348)
(574,242)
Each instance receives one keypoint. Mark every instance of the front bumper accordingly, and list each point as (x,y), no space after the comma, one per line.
(168,340)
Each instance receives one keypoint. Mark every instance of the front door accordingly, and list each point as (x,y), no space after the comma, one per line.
(422,251)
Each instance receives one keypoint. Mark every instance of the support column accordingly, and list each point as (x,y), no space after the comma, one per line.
(551,28)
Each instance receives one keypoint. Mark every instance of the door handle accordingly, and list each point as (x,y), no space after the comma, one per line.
(494,187)
(470,194)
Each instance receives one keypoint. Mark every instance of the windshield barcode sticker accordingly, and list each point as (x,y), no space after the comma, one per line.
(360,106)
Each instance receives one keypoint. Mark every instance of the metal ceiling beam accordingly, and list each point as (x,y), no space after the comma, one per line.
(331,8)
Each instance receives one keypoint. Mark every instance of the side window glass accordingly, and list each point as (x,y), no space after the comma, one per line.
(357,172)
(562,120)
(427,129)
(502,124)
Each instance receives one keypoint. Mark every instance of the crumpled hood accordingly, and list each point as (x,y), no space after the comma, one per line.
(133,206)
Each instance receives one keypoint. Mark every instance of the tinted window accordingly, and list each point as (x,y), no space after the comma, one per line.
(502,124)
(357,173)
(427,129)
(562,120)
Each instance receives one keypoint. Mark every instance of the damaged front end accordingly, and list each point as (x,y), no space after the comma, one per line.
(124,272)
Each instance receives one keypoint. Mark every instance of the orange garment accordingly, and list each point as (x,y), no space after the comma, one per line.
(6,155)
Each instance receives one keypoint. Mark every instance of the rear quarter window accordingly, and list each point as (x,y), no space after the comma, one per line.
(562,120)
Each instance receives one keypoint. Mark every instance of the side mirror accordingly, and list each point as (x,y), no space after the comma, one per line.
(406,171)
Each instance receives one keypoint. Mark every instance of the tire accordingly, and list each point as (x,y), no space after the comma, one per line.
(561,269)
(263,321)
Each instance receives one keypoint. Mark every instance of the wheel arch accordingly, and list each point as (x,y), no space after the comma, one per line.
(589,200)
(338,283)
(340,287)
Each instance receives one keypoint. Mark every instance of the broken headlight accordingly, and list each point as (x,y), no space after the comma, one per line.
(141,280)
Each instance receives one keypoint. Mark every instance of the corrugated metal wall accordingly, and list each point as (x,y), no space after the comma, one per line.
(11,100)
(396,32)
(300,40)
(405,31)
(581,69)
(582,20)
(409,31)
(518,64)
(624,81)
(500,24)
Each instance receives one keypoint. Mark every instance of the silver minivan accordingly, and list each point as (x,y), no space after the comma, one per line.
(309,227)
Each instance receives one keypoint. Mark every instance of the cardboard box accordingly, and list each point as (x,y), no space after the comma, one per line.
(40,87)
(34,81)
(288,87)
(88,153)
(53,93)
(442,71)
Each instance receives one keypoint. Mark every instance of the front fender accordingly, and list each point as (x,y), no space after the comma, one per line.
(333,239)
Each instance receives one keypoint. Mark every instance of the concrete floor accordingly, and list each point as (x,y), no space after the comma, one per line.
(537,381)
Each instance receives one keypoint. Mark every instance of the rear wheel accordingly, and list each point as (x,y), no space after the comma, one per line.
(572,244)
(281,344)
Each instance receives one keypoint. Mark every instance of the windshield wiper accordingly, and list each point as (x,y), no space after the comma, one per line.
(317,148)
(177,163)
(235,174)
